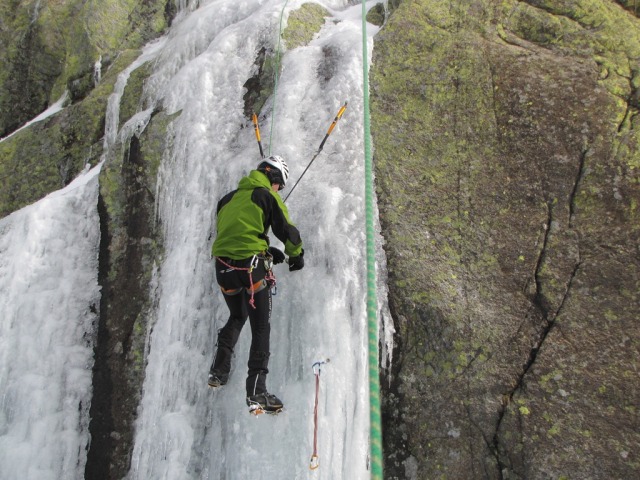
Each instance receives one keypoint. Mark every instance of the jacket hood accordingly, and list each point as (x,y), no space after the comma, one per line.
(255,179)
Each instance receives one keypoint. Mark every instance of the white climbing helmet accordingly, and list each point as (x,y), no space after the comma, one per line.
(281,173)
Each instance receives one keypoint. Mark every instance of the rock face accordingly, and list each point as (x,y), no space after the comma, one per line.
(50,46)
(507,163)
(58,49)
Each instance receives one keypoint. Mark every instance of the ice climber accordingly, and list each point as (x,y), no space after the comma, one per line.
(243,260)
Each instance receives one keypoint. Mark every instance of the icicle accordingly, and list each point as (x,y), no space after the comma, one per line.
(36,12)
(52,110)
(183,4)
(97,71)
(113,103)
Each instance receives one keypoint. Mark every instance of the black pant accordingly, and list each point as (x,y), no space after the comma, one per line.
(236,286)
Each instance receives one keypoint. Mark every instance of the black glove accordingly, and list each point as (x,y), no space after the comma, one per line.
(296,263)
(276,255)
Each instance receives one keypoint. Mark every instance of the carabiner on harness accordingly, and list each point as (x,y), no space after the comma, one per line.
(254,263)
(269,277)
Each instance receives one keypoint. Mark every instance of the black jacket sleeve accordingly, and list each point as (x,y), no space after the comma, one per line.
(276,219)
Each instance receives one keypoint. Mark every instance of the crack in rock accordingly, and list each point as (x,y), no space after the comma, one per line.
(542,306)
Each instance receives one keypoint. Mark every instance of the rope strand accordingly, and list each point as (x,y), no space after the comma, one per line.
(275,86)
(375,428)
(314,462)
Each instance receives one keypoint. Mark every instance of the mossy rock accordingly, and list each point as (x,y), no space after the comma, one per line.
(375,15)
(261,84)
(303,24)
(47,155)
(59,45)
(132,96)
(392,5)
(504,135)
(131,249)
(30,61)
(632,6)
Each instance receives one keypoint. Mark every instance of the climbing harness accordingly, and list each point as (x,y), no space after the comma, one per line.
(268,281)
(314,462)
(333,125)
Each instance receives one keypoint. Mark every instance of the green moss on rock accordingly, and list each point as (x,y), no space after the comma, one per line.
(261,84)
(303,24)
(30,60)
(504,134)
(47,155)
(133,244)
(58,45)
(132,98)
(632,6)
(376,15)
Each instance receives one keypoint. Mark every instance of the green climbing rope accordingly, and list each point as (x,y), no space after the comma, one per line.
(372,302)
(375,433)
(275,81)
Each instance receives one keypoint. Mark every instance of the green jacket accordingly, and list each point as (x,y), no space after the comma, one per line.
(245,217)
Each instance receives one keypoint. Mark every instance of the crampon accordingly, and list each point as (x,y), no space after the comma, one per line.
(257,409)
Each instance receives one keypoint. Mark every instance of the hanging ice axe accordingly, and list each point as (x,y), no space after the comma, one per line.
(257,129)
(333,125)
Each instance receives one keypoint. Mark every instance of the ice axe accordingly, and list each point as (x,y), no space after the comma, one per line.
(257,130)
(333,124)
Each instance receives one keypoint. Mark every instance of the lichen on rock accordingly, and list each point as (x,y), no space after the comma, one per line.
(303,24)
(505,140)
